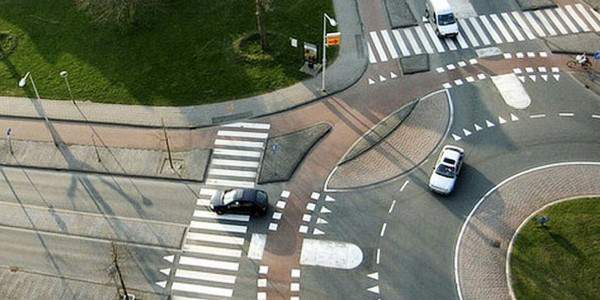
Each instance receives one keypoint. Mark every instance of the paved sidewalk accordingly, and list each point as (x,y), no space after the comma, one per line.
(345,71)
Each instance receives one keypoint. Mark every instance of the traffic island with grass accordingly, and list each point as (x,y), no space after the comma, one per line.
(172,52)
(560,260)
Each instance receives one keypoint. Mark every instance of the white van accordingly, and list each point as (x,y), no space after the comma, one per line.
(440,14)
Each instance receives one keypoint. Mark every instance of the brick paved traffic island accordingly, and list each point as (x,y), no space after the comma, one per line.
(482,247)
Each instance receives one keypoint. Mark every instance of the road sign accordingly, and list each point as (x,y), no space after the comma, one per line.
(334,38)
(294,42)
(597,55)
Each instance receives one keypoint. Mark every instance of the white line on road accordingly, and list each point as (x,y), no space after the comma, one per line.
(500,26)
(212,250)
(561,13)
(263,126)
(545,22)
(576,17)
(378,255)
(434,38)
(201,289)
(461,41)
(450,43)
(234,163)
(234,143)
(490,29)
(467,30)
(596,116)
(401,43)
(243,134)
(534,24)
(232,173)
(378,46)
(404,185)
(218,227)
(243,153)
(202,202)
(230,183)
(566,114)
(424,40)
(412,41)
(392,207)
(205,276)
(208,263)
(587,16)
(523,25)
(383,229)
(556,22)
(372,58)
(512,27)
(195,236)
(211,215)
(537,116)
(389,44)
(479,31)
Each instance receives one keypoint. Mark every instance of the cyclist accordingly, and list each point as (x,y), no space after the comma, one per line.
(582,59)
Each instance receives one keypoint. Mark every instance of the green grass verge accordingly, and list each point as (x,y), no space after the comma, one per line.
(183,56)
(561,261)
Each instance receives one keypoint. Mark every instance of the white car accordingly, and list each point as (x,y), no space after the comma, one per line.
(446,169)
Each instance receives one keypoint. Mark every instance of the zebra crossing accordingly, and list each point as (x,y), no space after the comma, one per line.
(484,30)
(212,247)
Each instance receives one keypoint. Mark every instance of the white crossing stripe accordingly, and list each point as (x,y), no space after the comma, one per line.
(545,22)
(372,58)
(484,39)
(230,183)
(378,46)
(500,26)
(412,41)
(201,289)
(175,297)
(561,13)
(534,24)
(576,17)
(207,192)
(203,202)
(214,277)
(235,143)
(243,134)
(230,152)
(596,14)
(389,44)
(218,227)
(208,263)
(461,41)
(424,40)
(232,173)
(212,250)
(587,16)
(211,215)
(450,43)
(512,27)
(401,43)
(434,38)
(556,22)
(205,237)
(523,25)
(234,163)
(490,29)
(467,30)
(249,125)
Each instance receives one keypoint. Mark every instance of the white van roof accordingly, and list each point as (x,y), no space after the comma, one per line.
(440,6)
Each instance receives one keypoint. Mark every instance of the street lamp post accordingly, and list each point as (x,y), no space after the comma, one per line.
(332,22)
(65,75)
(22,84)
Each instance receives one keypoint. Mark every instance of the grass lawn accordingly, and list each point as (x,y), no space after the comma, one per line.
(561,261)
(184,56)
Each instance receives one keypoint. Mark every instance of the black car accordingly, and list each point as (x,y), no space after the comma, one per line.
(240,201)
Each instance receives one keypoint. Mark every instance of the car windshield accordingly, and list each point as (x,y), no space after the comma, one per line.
(229,197)
(446,19)
(445,171)
(449,161)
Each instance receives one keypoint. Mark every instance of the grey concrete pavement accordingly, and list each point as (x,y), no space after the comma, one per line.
(344,72)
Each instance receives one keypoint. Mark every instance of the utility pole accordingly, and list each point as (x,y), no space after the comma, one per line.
(115,257)
(167,142)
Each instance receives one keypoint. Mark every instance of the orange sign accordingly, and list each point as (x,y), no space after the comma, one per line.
(334,39)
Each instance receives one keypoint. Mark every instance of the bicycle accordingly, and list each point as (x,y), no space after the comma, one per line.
(577,62)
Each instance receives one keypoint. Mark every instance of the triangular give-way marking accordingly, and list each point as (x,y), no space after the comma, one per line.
(321,221)
(374,276)
(467,133)
(374,289)
(545,77)
(502,121)
(556,76)
(532,77)
(381,78)
(477,127)
(316,231)
(169,258)
(324,210)
(163,284)
(522,78)
(489,124)
(329,199)
(393,75)
(166,271)
(513,118)
(456,137)
(371,81)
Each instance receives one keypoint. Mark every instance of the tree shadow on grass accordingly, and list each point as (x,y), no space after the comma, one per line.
(565,244)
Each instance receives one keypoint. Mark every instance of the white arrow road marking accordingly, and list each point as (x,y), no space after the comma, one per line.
(489,124)
(374,276)
(467,133)
(501,120)
(513,118)
(456,137)
(477,127)
(374,289)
